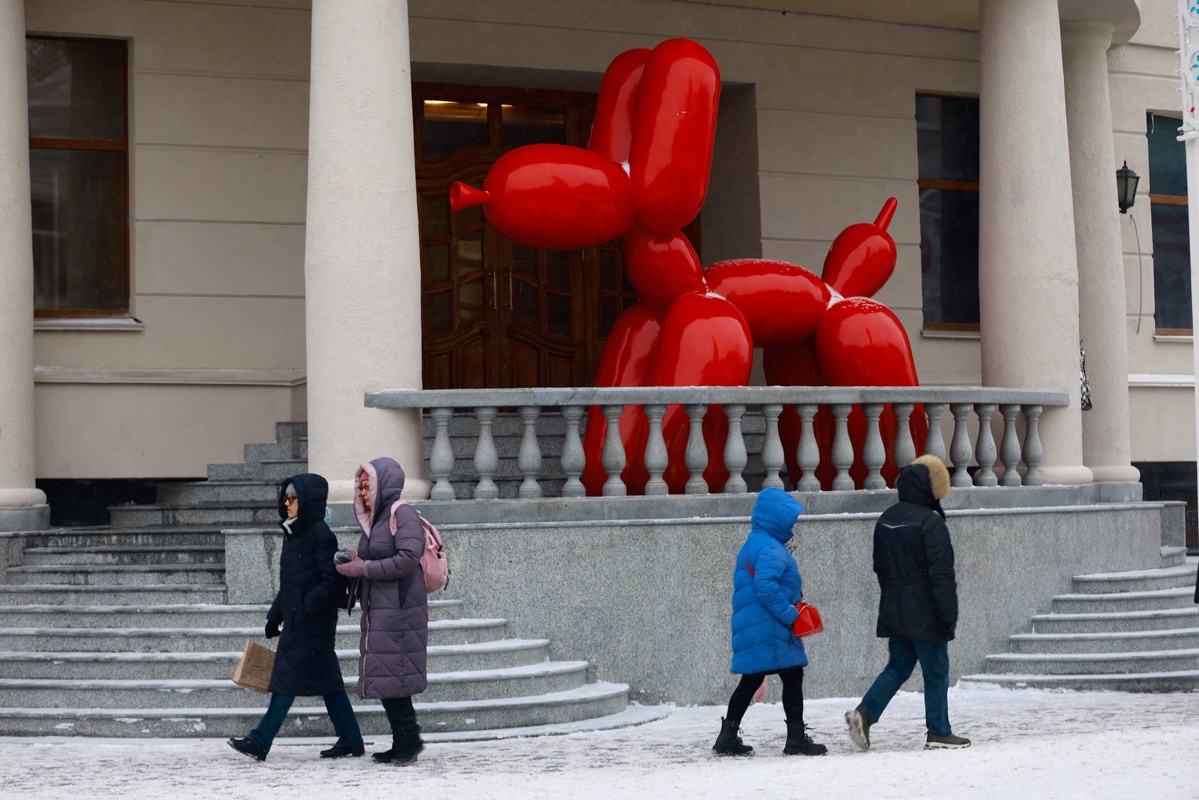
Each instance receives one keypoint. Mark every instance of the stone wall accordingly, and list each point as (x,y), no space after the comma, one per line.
(646,602)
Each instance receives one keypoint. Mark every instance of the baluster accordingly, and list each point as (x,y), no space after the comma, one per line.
(905,448)
(487,460)
(807,455)
(874,455)
(959,448)
(984,449)
(529,457)
(1032,447)
(573,459)
(612,456)
(656,457)
(696,454)
(735,457)
(1010,447)
(842,448)
(772,447)
(934,445)
(441,459)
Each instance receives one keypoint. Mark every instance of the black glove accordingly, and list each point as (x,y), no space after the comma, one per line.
(272,629)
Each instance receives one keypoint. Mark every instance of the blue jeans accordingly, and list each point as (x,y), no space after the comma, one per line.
(341,714)
(934,664)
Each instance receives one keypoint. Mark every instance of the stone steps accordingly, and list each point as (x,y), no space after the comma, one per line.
(124,631)
(1130,631)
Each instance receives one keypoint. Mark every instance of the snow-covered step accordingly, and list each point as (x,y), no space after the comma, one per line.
(160,615)
(1154,600)
(124,555)
(57,594)
(1116,621)
(116,574)
(1180,681)
(594,700)
(185,639)
(82,665)
(1105,642)
(1176,577)
(1094,663)
(466,685)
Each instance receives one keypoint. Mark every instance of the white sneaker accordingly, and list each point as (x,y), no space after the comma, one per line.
(859,728)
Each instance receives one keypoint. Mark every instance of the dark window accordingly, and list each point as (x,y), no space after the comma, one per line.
(78,162)
(947,145)
(1171,240)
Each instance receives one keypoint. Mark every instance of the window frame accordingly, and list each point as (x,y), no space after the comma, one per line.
(944,185)
(84,145)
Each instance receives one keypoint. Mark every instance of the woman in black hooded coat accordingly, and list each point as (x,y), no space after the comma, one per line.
(306,606)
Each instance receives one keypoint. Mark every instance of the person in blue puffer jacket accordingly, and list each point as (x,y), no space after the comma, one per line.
(766,588)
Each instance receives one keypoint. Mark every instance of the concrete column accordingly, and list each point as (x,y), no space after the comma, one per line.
(22,505)
(362,260)
(1102,306)
(1028,275)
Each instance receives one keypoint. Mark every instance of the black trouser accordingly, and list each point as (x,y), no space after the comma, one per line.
(743,695)
(400,714)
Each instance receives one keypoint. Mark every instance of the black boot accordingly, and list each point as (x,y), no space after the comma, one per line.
(799,743)
(344,748)
(405,746)
(249,747)
(728,743)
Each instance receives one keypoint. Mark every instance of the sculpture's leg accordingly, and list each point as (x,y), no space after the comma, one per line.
(626,360)
(704,342)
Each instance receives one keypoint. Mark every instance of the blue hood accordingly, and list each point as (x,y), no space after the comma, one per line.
(775,513)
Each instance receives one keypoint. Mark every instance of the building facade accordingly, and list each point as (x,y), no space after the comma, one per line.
(238,212)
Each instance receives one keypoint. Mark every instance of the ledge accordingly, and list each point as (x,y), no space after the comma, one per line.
(77,324)
(171,376)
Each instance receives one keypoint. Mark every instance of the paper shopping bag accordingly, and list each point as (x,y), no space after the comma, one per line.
(254,670)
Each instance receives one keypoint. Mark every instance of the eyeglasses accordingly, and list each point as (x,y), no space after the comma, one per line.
(290,498)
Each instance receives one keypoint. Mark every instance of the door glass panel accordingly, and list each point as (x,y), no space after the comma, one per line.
(470,254)
(558,314)
(469,218)
(450,127)
(524,301)
(557,270)
(437,312)
(436,216)
(524,125)
(470,302)
(437,264)
(524,260)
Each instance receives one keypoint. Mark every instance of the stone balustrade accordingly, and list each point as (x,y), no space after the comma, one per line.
(975,454)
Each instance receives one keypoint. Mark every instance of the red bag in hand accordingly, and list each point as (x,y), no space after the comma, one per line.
(808,622)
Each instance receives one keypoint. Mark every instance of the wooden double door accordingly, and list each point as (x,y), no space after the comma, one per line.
(497,314)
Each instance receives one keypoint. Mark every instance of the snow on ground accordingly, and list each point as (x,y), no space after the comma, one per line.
(1027,744)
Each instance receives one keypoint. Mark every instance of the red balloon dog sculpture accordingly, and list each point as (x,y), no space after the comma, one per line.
(643,177)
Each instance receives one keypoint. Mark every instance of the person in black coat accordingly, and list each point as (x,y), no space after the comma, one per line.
(918,606)
(304,617)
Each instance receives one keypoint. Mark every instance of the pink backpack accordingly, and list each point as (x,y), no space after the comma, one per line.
(433,561)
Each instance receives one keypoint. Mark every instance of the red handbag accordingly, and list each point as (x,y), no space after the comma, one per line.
(808,622)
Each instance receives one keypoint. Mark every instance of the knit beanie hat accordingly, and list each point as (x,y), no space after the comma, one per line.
(291,489)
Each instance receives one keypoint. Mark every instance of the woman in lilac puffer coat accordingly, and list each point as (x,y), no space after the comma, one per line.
(390,588)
